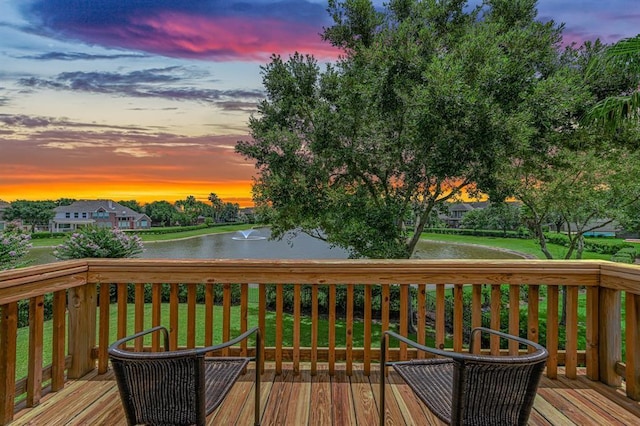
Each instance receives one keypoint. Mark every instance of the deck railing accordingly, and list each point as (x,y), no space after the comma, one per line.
(74,309)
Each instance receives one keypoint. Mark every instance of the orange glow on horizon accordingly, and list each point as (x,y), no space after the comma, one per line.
(232,192)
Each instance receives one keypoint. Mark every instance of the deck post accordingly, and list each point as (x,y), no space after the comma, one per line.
(632,334)
(82,329)
(610,349)
(8,333)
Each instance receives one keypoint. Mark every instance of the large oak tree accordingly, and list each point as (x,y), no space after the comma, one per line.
(429,99)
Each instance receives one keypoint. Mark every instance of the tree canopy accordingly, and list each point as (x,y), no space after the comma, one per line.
(428,100)
(31,213)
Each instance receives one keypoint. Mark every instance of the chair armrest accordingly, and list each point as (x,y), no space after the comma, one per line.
(478,330)
(243,336)
(163,330)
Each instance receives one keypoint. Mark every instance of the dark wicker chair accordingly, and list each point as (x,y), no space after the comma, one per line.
(470,389)
(178,387)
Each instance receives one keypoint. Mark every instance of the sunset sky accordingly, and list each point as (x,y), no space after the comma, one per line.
(145,99)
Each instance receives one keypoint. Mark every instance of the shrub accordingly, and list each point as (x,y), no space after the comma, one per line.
(99,242)
(15,244)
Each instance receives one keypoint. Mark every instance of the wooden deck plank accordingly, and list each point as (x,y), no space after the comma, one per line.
(300,404)
(321,397)
(276,410)
(343,412)
(247,415)
(330,400)
(392,410)
(545,409)
(565,407)
(585,400)
(364,402)
(231,407)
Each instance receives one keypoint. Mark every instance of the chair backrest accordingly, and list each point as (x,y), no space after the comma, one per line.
(495,390)
(162,387)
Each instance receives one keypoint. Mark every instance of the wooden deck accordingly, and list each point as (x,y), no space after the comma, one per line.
(302,399)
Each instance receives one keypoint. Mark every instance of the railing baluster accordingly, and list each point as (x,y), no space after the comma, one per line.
(36,336)
(514,318)
(314,329)
(191,315)
(404,317)
(571,334)
(422,317)
(279,314)
(440,319)
(226,315)
(296,328)
(122,310)
(103,336)
(262,319)
(332,329)
(208,314)
(552,331)
(496,306)
(593,368)
(173,317)
(139,314)
(367,330)
(458,311)
(476,310)
(156,313)
(349,330)
(533,308)
(244,315)
(384,305)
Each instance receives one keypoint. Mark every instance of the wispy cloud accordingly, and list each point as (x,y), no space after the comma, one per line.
(34,122)
(78,56)
(151,83)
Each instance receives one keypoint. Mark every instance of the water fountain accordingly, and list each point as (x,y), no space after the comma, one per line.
(246,235)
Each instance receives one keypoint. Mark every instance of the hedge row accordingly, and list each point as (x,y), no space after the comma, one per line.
(625,255)
(600,245)
(521,233)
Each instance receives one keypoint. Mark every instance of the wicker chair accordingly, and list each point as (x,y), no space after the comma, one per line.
(470,389)
(178,387)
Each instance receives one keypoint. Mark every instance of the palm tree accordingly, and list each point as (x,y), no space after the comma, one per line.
(614,110)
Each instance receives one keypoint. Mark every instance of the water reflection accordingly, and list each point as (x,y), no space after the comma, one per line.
(301,246)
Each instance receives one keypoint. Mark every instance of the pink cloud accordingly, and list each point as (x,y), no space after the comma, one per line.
(220,38)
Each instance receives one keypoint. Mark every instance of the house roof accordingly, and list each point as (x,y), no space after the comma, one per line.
(99,205)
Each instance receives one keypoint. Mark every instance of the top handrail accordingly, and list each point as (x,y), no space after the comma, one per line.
(43,279)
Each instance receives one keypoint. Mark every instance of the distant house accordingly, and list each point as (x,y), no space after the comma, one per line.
(456,211)
(3,206)
(601,228)
(102,213)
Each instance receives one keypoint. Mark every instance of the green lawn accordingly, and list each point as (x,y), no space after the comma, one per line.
(48,242)
(288,320)
(527,246)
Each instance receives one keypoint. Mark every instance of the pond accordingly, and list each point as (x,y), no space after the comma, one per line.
(258,246)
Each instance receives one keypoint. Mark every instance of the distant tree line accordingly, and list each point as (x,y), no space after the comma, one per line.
(187,212)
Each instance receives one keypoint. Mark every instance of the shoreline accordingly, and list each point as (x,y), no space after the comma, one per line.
(503,250)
